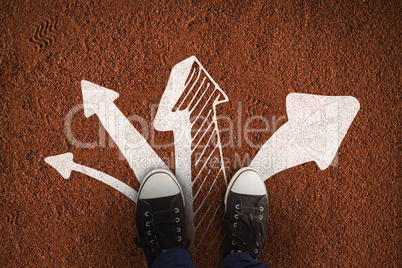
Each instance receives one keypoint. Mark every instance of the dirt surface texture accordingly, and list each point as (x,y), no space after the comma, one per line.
(348,215)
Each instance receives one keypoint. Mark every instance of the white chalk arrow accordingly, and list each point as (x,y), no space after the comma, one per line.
(64,164)
(139,154)
(191,97)
(315,129)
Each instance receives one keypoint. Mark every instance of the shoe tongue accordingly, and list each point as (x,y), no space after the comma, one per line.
(249,211)
(161,203)
(252,201)
(165,222)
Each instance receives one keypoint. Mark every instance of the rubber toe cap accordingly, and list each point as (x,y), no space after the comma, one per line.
(159,184)
(249,182)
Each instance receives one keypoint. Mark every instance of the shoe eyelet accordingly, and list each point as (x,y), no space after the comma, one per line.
(147,224)
(237,216)
(261,217)
(257,244)
(146,213)
(177,219)
(149,232)
(152,241)
(176,210)
(232,251)
(178,230)
(234,235)
(237,206)
(235,224)
(256,251)
(261,208)
(233,243)
(179,238)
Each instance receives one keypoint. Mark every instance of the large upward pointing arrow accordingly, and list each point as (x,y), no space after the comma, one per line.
(140,156)
(314,132)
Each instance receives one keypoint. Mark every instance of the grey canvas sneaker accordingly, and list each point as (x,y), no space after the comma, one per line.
(246,214)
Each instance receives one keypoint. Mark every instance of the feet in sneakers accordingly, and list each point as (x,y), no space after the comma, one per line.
(161,219)
(160,214)
(246,214)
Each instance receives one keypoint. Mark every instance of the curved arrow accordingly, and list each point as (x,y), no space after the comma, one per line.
(315,129)
(139,154)
(64,164)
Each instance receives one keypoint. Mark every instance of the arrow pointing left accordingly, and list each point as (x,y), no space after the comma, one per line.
(64,164)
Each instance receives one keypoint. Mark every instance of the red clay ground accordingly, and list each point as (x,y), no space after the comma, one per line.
(258,52)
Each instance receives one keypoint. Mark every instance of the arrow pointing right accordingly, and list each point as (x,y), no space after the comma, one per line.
(314,131)
(140,156)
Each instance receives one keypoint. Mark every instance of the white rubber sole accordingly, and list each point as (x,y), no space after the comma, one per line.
(163,171)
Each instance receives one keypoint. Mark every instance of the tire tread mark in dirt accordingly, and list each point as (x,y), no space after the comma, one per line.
(44,34)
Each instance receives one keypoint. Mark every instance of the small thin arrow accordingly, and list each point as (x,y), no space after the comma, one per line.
(64,164)
(315,129)
(139,154)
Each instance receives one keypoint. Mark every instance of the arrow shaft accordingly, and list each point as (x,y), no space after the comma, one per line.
(183,172)
(198,160)
(134,147)
(107,179)
(282,151)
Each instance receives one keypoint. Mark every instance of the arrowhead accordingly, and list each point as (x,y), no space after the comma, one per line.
(324,122)
(178,88)
(63,163)
(93,94)
(165,119)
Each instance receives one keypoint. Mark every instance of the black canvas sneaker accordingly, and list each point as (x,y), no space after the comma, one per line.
(246,214)
(160,214)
